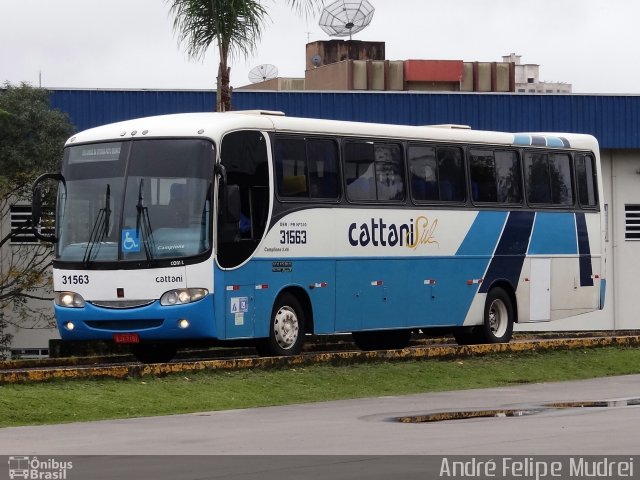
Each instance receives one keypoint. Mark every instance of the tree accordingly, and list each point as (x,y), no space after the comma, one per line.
(31,139)
(234,25)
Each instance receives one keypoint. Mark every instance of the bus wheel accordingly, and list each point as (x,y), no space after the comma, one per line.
(498,317)
(154,352)
(286,332)
(382,340)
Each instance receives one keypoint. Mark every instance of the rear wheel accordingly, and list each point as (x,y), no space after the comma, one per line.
(382,340)
(154,352)
(498,317)
(287,328)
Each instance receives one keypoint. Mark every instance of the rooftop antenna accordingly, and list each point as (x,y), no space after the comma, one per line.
(346,17)
(262,73)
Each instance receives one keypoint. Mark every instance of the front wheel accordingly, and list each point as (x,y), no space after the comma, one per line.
(498,317)
(287,328)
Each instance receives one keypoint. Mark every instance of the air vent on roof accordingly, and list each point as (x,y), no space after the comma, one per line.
(451,125)
(275,113)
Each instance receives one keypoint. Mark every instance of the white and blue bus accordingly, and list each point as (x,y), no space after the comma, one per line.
(254,226)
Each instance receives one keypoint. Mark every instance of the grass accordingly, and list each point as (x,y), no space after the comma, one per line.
(84,400)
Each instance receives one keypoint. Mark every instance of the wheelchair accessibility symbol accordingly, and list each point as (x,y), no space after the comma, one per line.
(130,240)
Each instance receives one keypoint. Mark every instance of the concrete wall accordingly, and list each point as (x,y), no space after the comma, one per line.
(356,75)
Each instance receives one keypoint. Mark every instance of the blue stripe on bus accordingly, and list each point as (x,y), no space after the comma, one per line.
(483,234)
(554,233)
(586,270)
(510,253)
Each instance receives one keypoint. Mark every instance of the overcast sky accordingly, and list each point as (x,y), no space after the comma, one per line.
(130,43)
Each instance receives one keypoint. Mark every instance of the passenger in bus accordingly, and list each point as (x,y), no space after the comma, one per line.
(389,181)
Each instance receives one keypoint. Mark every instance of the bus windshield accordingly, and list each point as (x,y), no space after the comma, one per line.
(140,200)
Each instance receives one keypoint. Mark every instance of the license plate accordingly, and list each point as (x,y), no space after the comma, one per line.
(126,338)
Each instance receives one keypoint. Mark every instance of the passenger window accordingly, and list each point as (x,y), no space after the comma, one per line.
(423,170)
(306,168)
(291,167)
(495,176)
(437,174)
(549,178)
(586,181)
(451,174)
(389,172)
(374,171)
(322,165)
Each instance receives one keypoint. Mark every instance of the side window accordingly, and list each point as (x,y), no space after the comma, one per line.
(548,177)
(423,171)
(495,176)
(509,176)
(389,172)
(560,172)
(306,168)
(291,167)
(374,171)
(451,174)
(322,165)
(359,171)
(437,174)
(586,181)
(482,167)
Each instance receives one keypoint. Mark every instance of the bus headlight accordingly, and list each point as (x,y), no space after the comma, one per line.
(68,299)
(182,296)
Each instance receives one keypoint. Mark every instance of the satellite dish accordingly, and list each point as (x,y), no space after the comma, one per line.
(262,73)
(346,17)
(316,60)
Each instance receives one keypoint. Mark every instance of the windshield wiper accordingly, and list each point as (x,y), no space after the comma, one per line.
(100,228)
(143,225)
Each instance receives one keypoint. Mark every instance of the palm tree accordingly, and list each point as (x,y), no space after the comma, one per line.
(235,26)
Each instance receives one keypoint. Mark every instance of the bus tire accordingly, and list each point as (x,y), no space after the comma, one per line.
(382,340)
(498,317)
(286,329)
(154,352)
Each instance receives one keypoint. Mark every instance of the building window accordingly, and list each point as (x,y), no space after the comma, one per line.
(632,222)
(20,214)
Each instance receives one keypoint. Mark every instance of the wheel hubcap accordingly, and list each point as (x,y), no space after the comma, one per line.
(285,327)
(498,318)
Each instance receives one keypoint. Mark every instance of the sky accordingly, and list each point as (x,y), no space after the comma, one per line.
(130,44)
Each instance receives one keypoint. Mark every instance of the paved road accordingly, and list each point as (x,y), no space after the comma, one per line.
(365,427)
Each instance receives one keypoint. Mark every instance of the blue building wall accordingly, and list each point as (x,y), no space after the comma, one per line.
(613,119)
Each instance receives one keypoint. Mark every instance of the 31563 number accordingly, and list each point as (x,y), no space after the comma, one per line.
(75,279)
(295,237)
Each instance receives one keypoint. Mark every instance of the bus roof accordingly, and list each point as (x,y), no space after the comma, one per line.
(215,125)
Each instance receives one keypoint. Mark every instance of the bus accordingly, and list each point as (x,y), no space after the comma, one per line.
(256,227)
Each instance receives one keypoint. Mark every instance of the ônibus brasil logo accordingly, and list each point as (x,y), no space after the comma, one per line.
(36,469)
(376,232)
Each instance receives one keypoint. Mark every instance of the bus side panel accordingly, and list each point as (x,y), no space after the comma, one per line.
(317,277)
(405,293)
